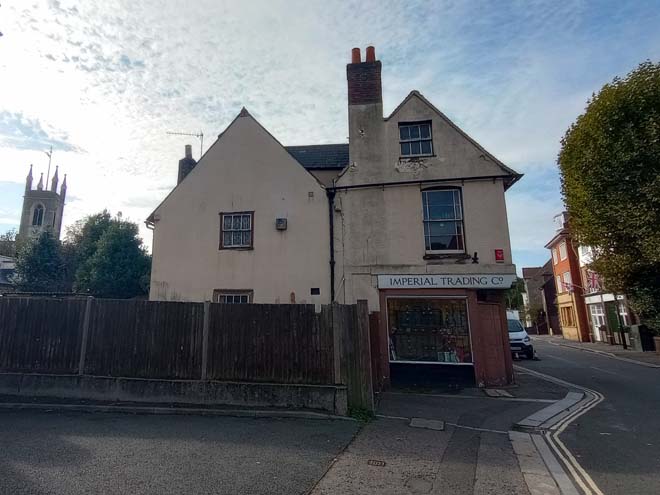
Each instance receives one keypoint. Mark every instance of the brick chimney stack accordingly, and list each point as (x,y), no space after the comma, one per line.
(364,82)
(366,128)
(186,164)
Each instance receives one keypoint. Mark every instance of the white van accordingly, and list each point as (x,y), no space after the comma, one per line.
(519,340)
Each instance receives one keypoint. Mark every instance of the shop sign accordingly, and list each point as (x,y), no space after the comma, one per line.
(472,281)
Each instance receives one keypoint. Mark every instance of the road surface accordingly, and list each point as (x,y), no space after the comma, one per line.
(617,442)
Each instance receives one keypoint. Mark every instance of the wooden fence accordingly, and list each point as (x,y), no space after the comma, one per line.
(289,344)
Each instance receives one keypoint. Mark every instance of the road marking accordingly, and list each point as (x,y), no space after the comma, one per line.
(581,477)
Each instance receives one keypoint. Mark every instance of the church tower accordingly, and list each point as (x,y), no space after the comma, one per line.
(42,208)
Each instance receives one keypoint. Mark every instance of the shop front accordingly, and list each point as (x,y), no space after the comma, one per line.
(447,321)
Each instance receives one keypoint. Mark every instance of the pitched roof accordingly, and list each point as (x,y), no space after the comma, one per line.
(531,272)
(511,176)
(320,156)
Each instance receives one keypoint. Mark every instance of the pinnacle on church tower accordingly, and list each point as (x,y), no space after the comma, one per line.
(54,181)
(28,180)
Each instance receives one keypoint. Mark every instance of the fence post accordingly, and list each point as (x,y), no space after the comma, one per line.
(336,323)
(85,334)
(205,339)
(363,349)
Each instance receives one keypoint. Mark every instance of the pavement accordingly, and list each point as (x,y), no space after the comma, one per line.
(650,359)
(82,453)
(427,439)
(618,441)
(473,455)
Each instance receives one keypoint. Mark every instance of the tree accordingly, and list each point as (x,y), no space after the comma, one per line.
(81,242)
(610,175)
(119,267)
(514,299)
(39,265)
(8,243)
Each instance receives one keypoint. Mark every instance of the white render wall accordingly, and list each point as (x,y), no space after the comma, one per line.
(246,169)
(379,230)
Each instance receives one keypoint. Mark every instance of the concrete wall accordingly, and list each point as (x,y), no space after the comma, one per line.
(380,229)
(246,169)
(330,399)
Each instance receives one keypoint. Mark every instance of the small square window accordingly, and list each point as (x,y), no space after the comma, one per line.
(416,139)
(237,230)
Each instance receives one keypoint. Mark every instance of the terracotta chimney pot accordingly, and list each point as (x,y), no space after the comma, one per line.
(371,54)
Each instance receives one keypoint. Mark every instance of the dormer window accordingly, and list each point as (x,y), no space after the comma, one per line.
(38,216)
(415,139)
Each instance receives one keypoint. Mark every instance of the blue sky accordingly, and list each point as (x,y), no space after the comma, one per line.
(103,81)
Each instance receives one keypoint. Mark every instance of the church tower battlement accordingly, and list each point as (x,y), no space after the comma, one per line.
(42,208)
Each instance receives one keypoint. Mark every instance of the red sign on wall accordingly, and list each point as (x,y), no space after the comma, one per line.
(499,255)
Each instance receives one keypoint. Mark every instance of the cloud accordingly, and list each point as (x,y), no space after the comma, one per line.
(112,78)
(20,132)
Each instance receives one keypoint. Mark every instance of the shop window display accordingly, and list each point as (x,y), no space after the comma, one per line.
(429,330)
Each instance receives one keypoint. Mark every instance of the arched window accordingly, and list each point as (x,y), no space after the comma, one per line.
(38,215)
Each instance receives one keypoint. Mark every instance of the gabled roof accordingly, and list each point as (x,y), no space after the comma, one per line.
(536,271)
(242,114)
(512,175)
(320,156)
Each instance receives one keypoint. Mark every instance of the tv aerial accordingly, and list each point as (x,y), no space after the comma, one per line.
(199,135)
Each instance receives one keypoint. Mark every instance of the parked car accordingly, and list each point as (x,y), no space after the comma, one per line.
(519,341)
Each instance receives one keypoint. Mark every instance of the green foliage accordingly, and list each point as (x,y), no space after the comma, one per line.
(610,171)
(39,265)
(514,294)
(116,264)
(8,243)
(360,414)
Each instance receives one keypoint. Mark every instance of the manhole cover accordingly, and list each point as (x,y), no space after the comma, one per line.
(374,462)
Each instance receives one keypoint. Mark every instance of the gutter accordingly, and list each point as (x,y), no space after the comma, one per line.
(514,179)
(330,192)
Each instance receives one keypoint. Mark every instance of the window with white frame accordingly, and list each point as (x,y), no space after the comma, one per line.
(568,283)
(562,251)
(415,139)
(443,220)
(560,287)
(237,230)
(232,296)
(554,256)
(597,315)
(623,311)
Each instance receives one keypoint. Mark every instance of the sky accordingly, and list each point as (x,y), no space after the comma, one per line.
(103,81)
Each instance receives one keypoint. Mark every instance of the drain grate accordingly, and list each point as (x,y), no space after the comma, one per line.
(375,462)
